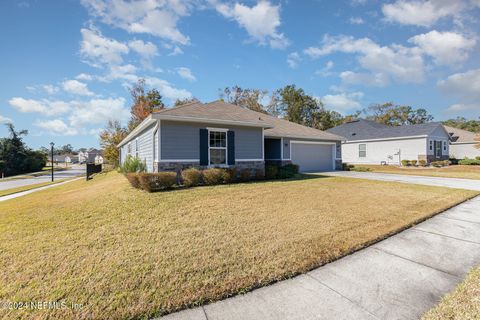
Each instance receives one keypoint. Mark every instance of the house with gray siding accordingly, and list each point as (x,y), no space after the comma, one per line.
(219,134)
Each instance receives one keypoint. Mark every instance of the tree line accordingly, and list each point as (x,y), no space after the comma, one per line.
(290,102)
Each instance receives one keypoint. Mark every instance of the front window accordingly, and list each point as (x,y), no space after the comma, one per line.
(218,147)
(362,150)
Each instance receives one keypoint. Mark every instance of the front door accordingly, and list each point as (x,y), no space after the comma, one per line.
(438,149)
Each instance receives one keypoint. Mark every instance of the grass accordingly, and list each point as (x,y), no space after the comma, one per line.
(125,253)
(454,171)
(462,304)
(25,188)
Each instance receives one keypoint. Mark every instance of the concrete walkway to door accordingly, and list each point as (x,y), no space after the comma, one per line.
(469,184)
(398,278)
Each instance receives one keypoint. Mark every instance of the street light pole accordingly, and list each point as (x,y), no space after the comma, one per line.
(51,155)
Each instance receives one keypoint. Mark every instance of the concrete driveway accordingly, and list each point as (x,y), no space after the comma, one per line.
(398,278)
(469,184)
(74,171)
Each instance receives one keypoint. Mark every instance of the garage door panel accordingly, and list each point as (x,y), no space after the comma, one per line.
(312,157)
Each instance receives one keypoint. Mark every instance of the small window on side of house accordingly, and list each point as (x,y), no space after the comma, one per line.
(431,145)
(136,148)
(444,146)
(129,148)
(362,150)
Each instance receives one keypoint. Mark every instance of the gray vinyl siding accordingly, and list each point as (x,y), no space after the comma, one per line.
(145,146)
(181,140)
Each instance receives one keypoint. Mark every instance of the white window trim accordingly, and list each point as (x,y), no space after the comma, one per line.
(218,148)
(362,144)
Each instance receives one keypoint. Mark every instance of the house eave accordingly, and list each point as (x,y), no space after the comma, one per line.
(387,139)
(144,124)
(159,116)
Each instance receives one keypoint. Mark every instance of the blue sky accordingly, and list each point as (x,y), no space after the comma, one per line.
(66,65)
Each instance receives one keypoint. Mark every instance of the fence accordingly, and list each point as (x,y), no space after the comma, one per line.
(92,169)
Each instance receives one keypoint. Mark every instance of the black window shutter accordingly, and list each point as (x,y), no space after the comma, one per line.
(203,147)
(231,147)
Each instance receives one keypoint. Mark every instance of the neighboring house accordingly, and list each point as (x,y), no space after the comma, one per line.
(64,158)
(462,143)
(91,156)
(219,134)
(368,142)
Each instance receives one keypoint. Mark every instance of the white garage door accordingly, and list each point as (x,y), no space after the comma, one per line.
(312,157)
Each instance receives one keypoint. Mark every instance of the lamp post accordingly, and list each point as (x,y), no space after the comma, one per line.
(51,154)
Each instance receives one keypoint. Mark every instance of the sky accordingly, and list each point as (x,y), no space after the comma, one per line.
(66,65)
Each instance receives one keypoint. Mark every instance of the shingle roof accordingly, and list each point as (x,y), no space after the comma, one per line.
(219,110)
(460,135)
(362,129)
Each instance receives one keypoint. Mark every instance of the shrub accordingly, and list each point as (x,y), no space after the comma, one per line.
(133,164)
(361,169)
(422,163)
(245,175)
(133,179)
(453,161)
(469,162)
(191,177)
(152,182)
(292,167)
(286,171)
(271,172)
(405,163)
(230,175)
(413,162)
(213,176)
(477,158)
(437,164)
(446,162)
(259,174)
(347,167)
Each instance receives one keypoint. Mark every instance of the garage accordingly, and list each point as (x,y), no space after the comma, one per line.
(312,156)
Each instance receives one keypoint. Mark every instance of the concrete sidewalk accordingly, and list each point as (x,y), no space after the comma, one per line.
(23,193)
(456,183)
(398,278)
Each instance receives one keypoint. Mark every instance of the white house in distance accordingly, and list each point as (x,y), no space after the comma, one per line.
(368,142)
(462,143)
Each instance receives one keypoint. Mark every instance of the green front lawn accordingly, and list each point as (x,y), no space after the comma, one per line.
(124,253)
(453,171)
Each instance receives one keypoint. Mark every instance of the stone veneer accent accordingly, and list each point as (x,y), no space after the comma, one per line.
(179,166)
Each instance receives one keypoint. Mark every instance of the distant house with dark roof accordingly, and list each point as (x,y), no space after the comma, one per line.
(368,142)
(462,143)
(220,134)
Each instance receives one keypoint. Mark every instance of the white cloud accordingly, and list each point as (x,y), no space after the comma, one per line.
(84,77)
(50,89)
(56,127)
(293,59)
(343,101)
(146,50)
(122,72)
(98,111)
(176,51)
(368,79)
(356,20)
(4,119)
(76,87)
(325,71)
(422,13)
(98,50)
(44,106)
(167,90)
(446,48)
(156,17)
(260,21)
(465,86)
(186,74)
(394,62)
(461,107)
